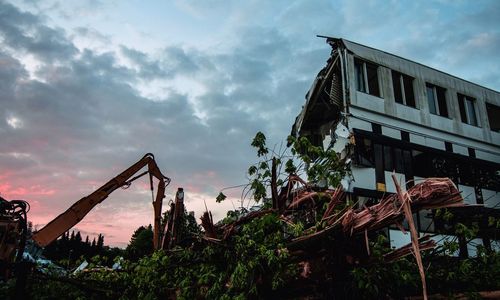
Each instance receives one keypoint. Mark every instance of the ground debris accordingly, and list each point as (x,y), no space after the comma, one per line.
(431,193)
(335,229)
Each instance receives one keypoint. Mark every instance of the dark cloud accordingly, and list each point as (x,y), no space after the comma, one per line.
(11,70)
(179,60)
(460,38)
(172,61)
(22,31)
(67,10)
(484,16)
(92,34)
(148,68)
(86,115)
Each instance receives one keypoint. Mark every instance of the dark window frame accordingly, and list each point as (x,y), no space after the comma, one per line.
(469,165)
(405,136)
(438,106)
(402,86)
(366,77)
(448,146)
(376,128)
(493,120)
(468,109)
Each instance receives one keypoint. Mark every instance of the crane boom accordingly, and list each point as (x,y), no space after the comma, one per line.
(82,207)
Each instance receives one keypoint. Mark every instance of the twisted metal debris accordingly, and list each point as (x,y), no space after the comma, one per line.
(343,222)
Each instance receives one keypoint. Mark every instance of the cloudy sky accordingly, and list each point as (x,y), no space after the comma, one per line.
(87,87)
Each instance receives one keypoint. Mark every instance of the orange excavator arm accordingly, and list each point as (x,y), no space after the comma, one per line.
(82,207)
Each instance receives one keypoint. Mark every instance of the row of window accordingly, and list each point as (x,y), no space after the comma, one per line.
(413,160)
(366,81)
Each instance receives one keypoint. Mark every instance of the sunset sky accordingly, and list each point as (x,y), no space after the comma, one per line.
(88,87)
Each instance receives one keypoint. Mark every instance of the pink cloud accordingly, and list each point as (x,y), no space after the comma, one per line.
(8,191)
(52,192)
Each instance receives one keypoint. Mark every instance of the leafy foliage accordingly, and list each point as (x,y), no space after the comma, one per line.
(445,275)
(322,166)
(70,250)
(141,243)
(251,263)
(254,261)
(221,197)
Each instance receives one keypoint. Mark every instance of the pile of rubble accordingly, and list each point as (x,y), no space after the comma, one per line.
(342,223)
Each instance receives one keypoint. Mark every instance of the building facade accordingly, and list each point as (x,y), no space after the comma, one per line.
(385,114)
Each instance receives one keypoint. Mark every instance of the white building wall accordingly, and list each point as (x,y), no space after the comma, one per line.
(488,156)
(370,102)
(417,139)
(422,135)
(360,124)
(460,150)
(389,183)
(434,143)
(491,198)
(420,115)
(467,193)
(390,132)
(495,137)
(363,178)
(441,123)
(424,128)
(407,113)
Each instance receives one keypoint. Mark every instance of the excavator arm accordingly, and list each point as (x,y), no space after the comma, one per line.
(82,207)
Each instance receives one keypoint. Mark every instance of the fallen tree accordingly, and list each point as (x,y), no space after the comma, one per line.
(340,225)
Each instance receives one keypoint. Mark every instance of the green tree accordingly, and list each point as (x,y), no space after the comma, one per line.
(78,237)
(100,242)
(141,243)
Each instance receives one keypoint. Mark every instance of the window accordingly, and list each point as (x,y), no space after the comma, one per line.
(391,159)
(448,146)
(376,128)
(467,109)
(426,220)
(405,136)
(388,161)
(403,89)
(364,152)
(472,152)
(437,100)
(493,116)
(378,151)
(366,78)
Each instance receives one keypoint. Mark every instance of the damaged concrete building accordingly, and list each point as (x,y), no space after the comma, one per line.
(386,114)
